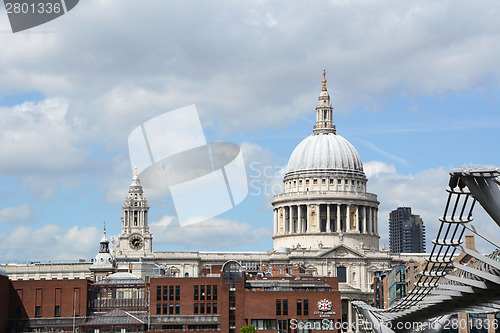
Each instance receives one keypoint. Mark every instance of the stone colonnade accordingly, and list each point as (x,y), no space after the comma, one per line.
(315,218)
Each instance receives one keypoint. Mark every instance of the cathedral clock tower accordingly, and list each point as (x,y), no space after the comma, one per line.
(135,239)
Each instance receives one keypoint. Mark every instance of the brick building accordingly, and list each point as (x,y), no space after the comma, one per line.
(40,304)
(223,302)
(236,298)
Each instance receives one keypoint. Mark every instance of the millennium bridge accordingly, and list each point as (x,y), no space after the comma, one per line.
(446,287)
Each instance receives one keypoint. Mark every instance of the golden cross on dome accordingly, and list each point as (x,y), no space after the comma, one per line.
(104,226)
(135,171)
(324,81)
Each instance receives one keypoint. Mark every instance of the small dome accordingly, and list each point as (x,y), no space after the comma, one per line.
(104,239)
(325,152)
(121,278)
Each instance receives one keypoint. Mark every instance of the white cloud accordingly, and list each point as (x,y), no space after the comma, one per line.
(210,234)
(43,187)
(425,192)
(17,214)
(264,172)
(369,50)
(49,242)
(38,137)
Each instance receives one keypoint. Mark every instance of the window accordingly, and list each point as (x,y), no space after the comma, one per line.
(306,307)
(158,293)
(290,271)
(177,293)
(315,181)
(300,181)
(57,304)
(285,307)
(195,308)
(339,181)
(307,181)
(171,309)
(165,309)
(38,303)
(341,274)
(195,293)
(299,307)
(331,181)
(215,292)
(264,324)
(177,308)
(214,308)
(280,271)
(165,293)
(202,308)
(76,300)
(202,293)
(278,307)
(171,293)
(282,326)
(209,293)
(158,308)
(209,308)
(323,181)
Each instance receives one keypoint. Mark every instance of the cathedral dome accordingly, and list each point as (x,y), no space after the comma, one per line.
(325,152)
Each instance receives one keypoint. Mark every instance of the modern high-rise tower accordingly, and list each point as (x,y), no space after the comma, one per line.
(406,231)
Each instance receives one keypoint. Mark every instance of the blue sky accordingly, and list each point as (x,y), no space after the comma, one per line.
(414,85)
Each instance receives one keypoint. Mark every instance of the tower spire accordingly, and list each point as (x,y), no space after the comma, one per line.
(324,111)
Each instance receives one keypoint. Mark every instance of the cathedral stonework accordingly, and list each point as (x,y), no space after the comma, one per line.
(325,203)
(135,241)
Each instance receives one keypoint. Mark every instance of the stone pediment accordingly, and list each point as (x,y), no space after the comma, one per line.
(341,251)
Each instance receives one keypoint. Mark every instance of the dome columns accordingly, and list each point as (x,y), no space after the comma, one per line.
(307,218)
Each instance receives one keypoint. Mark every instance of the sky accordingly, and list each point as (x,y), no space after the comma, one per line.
(414,86)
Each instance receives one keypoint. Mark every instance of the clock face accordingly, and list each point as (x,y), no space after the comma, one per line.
(136,242)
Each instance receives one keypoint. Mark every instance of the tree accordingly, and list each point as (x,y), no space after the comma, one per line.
(247,329)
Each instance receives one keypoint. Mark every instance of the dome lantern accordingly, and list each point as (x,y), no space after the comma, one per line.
(324,111)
